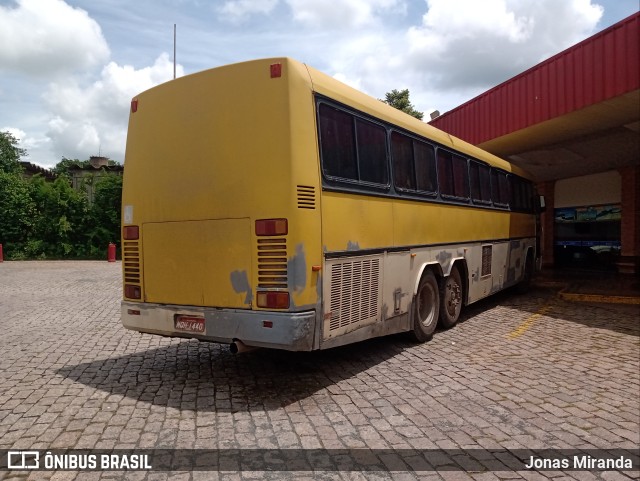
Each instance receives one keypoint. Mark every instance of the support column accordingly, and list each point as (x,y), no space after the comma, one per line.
(547,220)
(629,262)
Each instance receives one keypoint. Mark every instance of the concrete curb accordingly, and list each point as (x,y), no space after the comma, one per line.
(566,295)
(575,297)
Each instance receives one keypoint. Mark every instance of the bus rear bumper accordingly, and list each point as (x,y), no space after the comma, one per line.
(292,331)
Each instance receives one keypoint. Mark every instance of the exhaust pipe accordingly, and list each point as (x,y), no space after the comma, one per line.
(237,346)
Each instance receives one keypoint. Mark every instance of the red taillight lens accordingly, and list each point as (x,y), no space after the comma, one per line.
(265,227)
(132,292)
(273,300)
(131,232)
(134,105)
(276,70)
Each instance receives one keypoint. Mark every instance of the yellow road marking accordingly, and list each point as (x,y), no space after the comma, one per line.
(568,296)
(528,322)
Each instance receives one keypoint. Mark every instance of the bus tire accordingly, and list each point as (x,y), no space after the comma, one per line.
(451,299)
(425,307)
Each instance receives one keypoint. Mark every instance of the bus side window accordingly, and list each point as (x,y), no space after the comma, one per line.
(445,174)
(372,152)
(505,188)
(337,143)
(402,156)
(479,178)
(425,165)
(499,188)
(460,177)
(453,175)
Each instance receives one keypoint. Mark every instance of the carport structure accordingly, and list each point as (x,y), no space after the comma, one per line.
(573,122)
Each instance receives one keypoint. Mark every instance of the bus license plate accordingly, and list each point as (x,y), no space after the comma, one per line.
(191,324)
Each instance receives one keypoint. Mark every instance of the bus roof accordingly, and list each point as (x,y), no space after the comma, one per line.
(330,87)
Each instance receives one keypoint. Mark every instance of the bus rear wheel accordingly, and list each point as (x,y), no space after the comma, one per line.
(425,308)
(451,299)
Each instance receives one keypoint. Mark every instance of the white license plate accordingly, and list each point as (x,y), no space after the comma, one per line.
(191,324)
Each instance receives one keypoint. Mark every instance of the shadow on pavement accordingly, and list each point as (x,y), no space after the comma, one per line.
(207,377)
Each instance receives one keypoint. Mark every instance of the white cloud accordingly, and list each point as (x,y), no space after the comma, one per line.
(41,37)
(89,119)
(468,43)
(338,14)
(239,10)
(462,47)
(17,134)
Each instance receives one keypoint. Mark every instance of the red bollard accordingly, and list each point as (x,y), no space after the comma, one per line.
(0,252)
(111,252)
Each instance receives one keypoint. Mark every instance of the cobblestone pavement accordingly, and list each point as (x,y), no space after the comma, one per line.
(519,372)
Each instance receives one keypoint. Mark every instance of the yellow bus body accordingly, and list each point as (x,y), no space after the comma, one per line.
(211,153)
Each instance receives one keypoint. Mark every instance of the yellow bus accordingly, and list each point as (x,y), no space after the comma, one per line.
(266,204)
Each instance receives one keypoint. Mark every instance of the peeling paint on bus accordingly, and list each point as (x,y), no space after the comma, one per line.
(240,283)
(353,246)
(297,270)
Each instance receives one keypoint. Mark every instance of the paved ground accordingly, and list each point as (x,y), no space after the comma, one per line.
(521,372)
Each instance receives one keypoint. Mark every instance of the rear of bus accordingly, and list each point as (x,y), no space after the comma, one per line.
(221,227)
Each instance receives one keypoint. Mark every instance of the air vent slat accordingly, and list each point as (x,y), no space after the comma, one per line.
(272,263)
(306,197)
(354,291)
(131,262)
(487,254)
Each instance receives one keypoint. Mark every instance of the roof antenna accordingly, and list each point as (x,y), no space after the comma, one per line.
(174,51)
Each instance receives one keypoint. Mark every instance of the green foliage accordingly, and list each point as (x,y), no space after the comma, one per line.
(51,220)
(400,100)
(62,217)
(105,211)
(16,212)
(10,154)
(65,165)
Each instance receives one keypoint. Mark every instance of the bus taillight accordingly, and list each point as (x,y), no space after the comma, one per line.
(131,232)
(132,292)
(273,300)
(267,227)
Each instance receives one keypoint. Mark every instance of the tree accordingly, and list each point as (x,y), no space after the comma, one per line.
(10,153)
(105,213)
(17,212)
(65,164)
(61,224)
(400,100)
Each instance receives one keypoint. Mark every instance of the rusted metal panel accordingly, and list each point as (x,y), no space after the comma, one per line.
(601,67)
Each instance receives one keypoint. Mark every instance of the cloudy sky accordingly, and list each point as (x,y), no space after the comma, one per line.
(68,68)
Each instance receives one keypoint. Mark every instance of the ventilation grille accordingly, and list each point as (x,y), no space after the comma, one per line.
(272,263)
(306,197)
(355,291)
(131,262)
(486,260)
